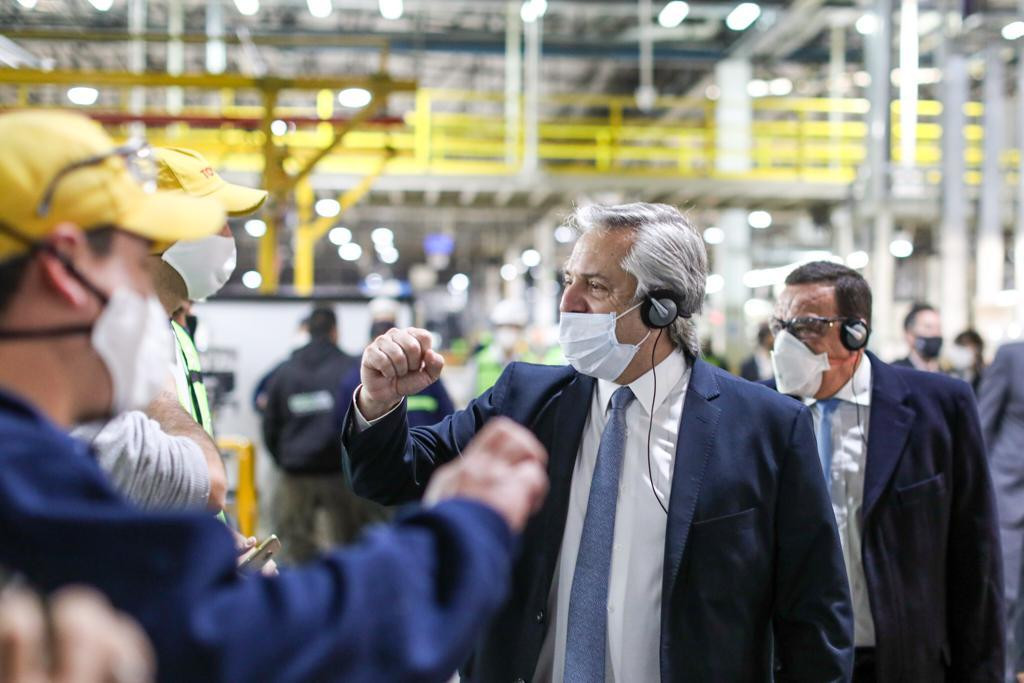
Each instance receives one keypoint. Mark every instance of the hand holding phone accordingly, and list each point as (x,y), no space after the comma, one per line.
(255,558)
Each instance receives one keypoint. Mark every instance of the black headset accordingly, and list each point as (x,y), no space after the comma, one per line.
(660,308)
(854,334)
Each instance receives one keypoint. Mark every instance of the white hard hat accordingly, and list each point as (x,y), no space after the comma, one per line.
(383,308)
(510,312)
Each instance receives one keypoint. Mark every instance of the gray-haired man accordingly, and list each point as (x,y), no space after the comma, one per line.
(688,535)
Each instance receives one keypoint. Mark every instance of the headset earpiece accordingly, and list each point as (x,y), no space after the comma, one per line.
(660,309)
(854,334)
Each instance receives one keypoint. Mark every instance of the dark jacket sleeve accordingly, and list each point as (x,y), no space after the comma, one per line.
(343,395)
(391,464)
(445,407)
(406,604)
(813,616)
(975,575)
(274,414)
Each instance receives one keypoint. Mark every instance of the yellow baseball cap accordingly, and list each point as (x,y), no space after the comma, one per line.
(187,171)
(58,166)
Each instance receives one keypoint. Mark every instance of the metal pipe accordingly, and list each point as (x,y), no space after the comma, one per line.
(175,53)
(531,117)
(513,81)
(1018,242)
(379,85)
(883,267)
(991,249)
(953,239)
(836,70)
(645,93)
(908,83)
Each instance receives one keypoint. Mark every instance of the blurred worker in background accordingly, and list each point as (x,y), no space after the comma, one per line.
(1001,405)
(83,337)
(922,329)
(298,340)
(758,367)
(426,407)
(967,358)
(708,355)
(904,461)
(303,437)
(541,347)
(707,552)
(509,319)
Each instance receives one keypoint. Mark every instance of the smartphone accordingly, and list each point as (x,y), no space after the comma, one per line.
(256,557)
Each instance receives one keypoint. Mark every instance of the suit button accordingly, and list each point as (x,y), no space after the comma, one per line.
(540,617)
(519,680)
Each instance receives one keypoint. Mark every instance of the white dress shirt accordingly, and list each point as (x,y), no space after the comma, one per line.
(634,590)
(846,485)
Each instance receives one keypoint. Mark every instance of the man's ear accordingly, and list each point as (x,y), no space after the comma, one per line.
(57,257)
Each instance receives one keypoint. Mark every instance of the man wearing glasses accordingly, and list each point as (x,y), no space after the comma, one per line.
(904,461)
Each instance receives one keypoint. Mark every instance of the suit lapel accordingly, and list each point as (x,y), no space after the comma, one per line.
(694,447)
(889,428)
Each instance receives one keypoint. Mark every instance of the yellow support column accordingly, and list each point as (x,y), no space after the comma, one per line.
(422,119)
(273,181)
(305,239)
(246,499)
(324,112)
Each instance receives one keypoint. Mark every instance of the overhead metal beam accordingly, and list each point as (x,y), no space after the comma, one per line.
(379,85)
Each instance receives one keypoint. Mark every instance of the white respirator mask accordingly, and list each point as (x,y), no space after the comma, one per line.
(589,344)
(798,370)
(205,265)
(133,337)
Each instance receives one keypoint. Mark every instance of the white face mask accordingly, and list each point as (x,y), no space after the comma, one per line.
(960,357)
(798,370)
(133,338)
(589,344)
(205,265)
(506,338)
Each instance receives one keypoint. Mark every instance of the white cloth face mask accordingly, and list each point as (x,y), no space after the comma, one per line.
(204,265)
(589,344)
(960,357)
(798,370)
(133,337)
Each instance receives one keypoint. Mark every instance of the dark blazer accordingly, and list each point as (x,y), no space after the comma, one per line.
(749,370)
(930,539)
(753,565)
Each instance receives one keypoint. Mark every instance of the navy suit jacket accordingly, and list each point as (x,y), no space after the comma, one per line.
(930,539)
(753,567)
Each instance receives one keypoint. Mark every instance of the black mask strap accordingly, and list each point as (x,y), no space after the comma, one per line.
(64,331)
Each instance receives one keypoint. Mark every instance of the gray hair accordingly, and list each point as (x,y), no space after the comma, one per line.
(667,253)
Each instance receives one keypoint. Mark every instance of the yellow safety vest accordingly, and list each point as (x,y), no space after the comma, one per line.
(488,369)
(192,392)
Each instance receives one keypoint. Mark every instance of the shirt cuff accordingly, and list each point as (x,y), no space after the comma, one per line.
(361,424)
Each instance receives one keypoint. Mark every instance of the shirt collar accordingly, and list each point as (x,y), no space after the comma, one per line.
(861,380)
(672,372)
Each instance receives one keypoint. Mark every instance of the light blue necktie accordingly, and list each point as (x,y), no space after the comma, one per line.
(588,599)
(827,407)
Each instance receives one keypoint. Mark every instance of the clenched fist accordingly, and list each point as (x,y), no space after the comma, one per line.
(504,467)
(396,364)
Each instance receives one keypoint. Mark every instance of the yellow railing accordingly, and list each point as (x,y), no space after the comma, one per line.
(245,504)
(792,139)
(455,132)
